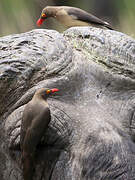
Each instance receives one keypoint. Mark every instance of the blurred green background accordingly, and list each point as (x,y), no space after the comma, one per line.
(18,16)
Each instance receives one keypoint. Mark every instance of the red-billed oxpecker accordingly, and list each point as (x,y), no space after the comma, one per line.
(35,120)
(71,16)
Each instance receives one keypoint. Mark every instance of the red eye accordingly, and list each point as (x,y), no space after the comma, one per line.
(48,91)
(43,15)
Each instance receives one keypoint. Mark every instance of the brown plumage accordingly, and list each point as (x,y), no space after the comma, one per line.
(36,117)
(71,16)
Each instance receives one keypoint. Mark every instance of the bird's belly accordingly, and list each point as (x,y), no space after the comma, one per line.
(69,22)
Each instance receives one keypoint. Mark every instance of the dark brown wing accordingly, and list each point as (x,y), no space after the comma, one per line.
(34,126)
(81,15)
(26,122)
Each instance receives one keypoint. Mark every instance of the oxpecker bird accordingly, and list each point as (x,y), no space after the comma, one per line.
(71,16)
(35,120)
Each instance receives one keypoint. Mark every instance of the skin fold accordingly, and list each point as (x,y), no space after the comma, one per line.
(91,132)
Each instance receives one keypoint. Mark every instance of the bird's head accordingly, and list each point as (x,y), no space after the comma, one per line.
(45,93)
(47,12)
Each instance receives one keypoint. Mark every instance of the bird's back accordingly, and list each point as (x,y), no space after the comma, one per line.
(78,17)
(36,116)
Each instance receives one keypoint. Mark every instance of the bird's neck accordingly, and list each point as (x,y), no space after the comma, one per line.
(39,97)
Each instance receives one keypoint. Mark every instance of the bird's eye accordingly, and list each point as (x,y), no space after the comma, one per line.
(48,91)
(43,15)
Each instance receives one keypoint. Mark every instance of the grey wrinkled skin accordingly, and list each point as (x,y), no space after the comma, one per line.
(92,132)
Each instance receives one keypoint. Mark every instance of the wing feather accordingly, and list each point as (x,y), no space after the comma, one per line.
(81,15)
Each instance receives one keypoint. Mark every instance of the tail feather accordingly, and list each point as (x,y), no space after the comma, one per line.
(28,166)
(107,25)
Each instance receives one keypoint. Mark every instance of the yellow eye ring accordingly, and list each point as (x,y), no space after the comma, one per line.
(43,15)
(48,91)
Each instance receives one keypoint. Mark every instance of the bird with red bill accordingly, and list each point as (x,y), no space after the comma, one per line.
(35,120)
(71,16)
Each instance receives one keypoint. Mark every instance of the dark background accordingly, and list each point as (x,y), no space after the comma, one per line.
(21,15)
